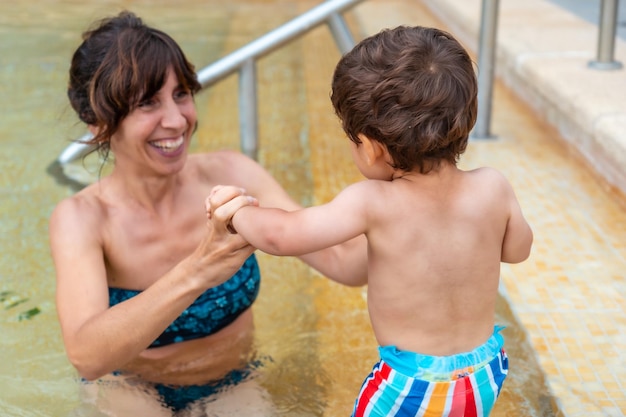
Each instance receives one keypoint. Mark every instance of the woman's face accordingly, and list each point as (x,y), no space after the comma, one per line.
(155,136)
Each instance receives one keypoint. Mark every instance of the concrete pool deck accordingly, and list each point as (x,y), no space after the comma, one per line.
(543,55)
(566,158)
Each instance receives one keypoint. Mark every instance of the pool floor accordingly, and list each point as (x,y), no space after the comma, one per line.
(565,304)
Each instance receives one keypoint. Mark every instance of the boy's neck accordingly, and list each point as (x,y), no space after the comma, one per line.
(436,169)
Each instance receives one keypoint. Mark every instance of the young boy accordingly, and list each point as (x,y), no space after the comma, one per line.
(436,234)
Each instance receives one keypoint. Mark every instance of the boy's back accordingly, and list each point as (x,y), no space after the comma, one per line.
(435,244)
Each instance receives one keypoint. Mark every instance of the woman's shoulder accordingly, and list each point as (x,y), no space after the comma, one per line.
(223,157)
(222,163)
(79,208)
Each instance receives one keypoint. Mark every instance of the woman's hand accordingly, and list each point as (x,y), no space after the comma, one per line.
(221,253)
(222,204)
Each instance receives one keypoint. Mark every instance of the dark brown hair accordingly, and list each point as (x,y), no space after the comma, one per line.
(413,89)
(120,63)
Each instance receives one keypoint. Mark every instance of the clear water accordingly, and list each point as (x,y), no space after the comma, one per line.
(317,333)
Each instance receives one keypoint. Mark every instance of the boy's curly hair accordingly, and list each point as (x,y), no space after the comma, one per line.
(413,89)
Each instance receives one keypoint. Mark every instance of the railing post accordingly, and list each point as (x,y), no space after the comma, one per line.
(606,37)
(248,116)
(486,66)
(341,33)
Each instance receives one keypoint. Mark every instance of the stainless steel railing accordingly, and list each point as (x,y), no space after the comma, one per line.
(486,67)
(607,29)
(244,61)
(606,37)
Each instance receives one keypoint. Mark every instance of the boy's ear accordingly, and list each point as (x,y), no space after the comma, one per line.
(373,149)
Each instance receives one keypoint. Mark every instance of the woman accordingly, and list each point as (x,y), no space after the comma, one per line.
(149,294)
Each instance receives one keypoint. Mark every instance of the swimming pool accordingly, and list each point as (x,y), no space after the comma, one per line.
(316,332)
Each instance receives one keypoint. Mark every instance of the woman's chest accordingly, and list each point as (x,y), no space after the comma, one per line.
(138,249)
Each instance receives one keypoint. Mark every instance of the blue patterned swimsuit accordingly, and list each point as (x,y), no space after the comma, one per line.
(215,309)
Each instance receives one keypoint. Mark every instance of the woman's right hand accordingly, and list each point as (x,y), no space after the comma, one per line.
(223,202)
(221,253)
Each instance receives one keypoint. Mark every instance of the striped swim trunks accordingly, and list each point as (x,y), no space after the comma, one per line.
(409,384)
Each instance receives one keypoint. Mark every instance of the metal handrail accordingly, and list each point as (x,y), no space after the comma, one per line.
(487,51)
(244,60)
(486,68)
(606,37)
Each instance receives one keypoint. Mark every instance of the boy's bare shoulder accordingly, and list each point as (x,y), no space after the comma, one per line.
(368,187)
(487,172)
(489,176)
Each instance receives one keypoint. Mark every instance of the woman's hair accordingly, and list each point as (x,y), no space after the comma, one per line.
(413,89)
(120,63)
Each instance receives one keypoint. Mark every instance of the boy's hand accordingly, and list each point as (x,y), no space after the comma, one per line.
(222,203)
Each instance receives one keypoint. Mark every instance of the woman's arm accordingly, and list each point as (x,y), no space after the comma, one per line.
(99,339)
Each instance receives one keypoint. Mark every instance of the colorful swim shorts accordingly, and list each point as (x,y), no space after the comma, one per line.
(404,383)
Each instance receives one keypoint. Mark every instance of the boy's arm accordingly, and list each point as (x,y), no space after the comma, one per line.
(518,236)
(280,232)
(345,263)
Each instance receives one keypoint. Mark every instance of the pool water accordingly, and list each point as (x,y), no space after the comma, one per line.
(316,332)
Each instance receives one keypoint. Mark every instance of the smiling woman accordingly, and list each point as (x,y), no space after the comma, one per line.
(149,295)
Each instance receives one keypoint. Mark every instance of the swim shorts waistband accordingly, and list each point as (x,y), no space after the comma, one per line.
(442,368)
